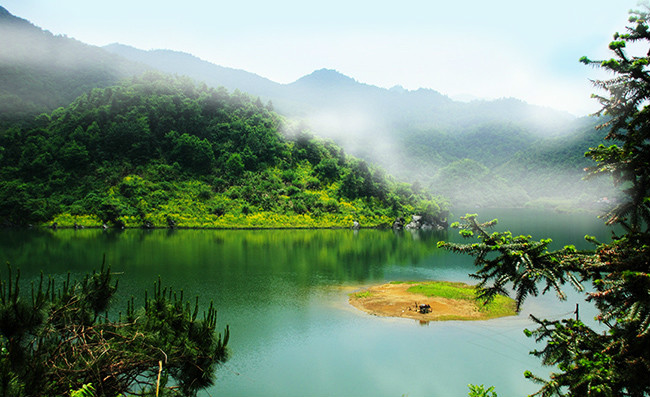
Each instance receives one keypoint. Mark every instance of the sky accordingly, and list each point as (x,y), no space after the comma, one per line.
(472,49)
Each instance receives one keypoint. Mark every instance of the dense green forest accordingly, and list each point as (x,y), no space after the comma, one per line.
(159,151)
(525,154)
(517,153)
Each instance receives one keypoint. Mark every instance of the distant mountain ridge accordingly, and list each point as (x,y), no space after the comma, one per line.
(182,63)
(326,78)
(300,98)
(501,152)
(331,83)
(414,134)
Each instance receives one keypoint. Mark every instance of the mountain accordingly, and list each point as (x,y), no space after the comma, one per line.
(327,79)
(40,71)
(188,65)
(157,151)
(334,90)
(413,134)
(341,108)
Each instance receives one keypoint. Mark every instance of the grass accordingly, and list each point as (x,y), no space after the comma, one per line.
(362,294)
(193,204)
(501,305)
(443,289)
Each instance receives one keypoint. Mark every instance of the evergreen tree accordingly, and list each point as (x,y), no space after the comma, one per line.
(62,339)
(590,362)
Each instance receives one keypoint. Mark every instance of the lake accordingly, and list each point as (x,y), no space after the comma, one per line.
(284,295)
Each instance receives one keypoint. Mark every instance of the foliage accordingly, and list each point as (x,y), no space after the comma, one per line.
(481,391)
(628,113)
(504,259)
(62,339)
(590,362)
(159,151)
(86,390)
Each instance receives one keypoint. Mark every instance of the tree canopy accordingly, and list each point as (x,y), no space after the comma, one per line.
(158,151)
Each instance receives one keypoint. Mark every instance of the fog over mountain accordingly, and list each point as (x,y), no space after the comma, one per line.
(476,152)
(328,91)
(40,71)
(419,135)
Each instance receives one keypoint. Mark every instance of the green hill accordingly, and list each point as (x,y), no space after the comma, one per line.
(501,152)
(483,153)
(40,71)
(161,152)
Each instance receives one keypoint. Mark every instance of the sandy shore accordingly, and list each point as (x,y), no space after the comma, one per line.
(393,300)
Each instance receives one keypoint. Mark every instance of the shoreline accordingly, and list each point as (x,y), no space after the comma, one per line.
(68,227)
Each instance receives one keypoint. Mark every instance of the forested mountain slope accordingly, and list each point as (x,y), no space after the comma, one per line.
(418,136)
(423,136)
(161,152)
(501,165)
(40,71)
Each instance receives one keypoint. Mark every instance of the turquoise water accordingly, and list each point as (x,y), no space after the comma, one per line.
(284,295)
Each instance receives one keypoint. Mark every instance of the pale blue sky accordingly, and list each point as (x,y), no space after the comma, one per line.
(486,49)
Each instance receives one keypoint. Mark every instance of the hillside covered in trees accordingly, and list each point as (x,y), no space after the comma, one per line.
(159,151)
(40,71)
(478,153)
(483,153)
(497,165)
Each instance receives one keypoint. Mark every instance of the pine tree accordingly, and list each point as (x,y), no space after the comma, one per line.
(61,338)
(591,363)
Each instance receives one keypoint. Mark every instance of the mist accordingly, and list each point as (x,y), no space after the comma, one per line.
(420,135)
(502,153)
(41,71)
(26,45)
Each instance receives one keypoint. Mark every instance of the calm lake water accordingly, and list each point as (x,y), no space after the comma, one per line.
(284,295)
